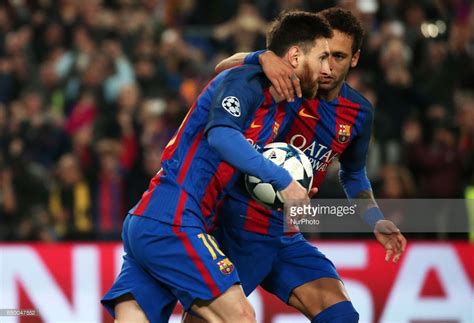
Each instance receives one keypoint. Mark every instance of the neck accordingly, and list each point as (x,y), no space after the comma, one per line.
(278,98)
(330,94)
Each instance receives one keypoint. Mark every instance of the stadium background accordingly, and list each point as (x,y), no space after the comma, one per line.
(91,91)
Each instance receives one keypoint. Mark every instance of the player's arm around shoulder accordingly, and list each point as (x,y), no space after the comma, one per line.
(231,61)
(278,71)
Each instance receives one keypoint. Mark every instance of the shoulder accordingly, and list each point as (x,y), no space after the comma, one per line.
(356,98)
(245,76)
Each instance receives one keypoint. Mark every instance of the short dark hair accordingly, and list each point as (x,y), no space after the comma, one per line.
(345,22)
(296,28)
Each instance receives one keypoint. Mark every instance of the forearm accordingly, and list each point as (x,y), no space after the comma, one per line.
(354,182)
(278,71)
(357,186)
(233,61)
(368,199)
(368,208)
(235,149)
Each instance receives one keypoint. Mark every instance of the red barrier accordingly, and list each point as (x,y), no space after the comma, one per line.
(64,282)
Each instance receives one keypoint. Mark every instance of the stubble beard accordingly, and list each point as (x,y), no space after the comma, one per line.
(309,86)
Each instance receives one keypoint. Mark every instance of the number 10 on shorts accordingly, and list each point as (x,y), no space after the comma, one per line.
(206,239)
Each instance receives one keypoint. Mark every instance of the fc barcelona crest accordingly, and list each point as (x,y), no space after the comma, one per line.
(276,127)
(343,133)
(225,266)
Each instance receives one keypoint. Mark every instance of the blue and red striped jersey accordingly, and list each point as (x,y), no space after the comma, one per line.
(194,178)
(324,131)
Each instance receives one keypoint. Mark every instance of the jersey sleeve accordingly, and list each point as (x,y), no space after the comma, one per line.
(252,58)
(353,173)
(235,149)
(234,102)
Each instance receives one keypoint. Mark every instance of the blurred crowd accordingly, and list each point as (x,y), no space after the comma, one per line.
(92,90)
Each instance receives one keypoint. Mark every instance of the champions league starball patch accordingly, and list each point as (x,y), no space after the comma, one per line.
(232,105)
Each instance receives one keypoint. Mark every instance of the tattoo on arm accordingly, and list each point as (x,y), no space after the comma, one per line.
(367,200)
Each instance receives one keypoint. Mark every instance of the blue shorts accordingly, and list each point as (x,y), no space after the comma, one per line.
(165,263)
(278,263)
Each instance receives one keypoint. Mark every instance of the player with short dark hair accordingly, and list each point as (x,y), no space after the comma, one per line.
(290,29)
(340,20)
(169,255)
(335,125)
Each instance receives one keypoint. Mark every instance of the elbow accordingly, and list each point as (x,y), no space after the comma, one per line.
(216,137)
(212,138)
(219,68)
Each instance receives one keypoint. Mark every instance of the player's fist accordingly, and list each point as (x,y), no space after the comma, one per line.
(312,192)
(295,194)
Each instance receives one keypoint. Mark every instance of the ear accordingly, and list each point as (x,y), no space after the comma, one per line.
(355,59)
(294,56)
